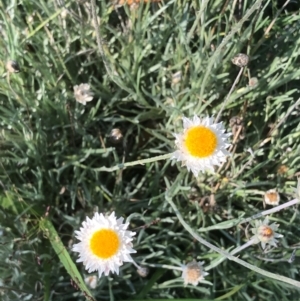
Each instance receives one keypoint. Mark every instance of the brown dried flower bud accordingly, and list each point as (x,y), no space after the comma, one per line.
(272,197)
(241,60)
(193,273)
(265,233)
(253,81)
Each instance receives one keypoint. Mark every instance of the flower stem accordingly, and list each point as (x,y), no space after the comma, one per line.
(242,247)
(266,212)
(240,220)
(136,265)
(230,92)
(217,261)
(164,266)
(141,162)
(225,253)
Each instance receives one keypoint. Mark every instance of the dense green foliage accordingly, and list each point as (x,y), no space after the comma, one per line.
(51,145)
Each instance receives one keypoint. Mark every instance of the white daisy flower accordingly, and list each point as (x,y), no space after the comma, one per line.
(193,273)
(83,94)
(104,244)
(202,144)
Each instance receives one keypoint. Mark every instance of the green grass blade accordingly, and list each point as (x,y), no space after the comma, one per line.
(64,257)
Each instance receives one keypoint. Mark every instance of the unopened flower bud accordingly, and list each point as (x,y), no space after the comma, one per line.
(116,136)
(143,271)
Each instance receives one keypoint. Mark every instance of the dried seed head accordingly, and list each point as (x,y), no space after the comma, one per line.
(237,126)
(235,121)
(193,272)
(82,93)
(265,233)
(240,60)
(253,81)
(12,66)
(272,197)
(282,169)
(116,136)
(143,271)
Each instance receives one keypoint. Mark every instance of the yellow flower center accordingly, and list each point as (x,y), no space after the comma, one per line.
(200,141)
(104,243)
